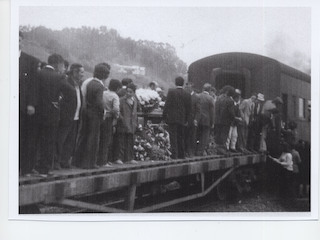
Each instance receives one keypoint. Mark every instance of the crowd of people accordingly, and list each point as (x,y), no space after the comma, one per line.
(68,122)
(237,125)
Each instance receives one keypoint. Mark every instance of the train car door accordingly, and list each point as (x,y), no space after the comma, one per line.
(236,80)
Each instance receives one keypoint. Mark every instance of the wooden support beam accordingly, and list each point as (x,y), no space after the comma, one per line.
(202,181)
(186,198)
(89,206)
(131,196)
(219,180)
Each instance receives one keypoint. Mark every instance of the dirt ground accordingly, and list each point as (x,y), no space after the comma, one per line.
(257,201)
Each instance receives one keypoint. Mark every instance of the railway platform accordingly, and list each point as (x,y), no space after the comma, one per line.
(65,185)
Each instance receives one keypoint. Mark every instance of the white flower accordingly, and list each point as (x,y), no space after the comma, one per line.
(145,95)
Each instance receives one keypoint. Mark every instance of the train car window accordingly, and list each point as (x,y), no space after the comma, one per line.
(294,106)
(309,111)
(302,108)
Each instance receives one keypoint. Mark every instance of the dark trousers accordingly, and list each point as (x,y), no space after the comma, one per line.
(191,140)
(204,138)
(87,149)
(241,141)
(106,140)
(245,131)
(273,176)
(47,147)
(287,184)
(221,134)
(28,133)
(81,139)
(251,138)
(254,135)
(113,154)
(66,141)
(177,138)
(125,147)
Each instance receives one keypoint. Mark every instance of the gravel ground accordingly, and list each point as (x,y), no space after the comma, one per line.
(253,202)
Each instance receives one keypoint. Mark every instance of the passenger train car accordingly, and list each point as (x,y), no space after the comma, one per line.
(252,73)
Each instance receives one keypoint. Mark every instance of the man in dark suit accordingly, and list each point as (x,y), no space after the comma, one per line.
(176,113)
(88,147)
(51,80)
(224,116)
(193,120)
(28,101)
(255,124)
(70,106)
(206,119)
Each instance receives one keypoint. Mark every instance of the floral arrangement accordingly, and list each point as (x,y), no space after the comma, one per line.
(148,99)
(151,143)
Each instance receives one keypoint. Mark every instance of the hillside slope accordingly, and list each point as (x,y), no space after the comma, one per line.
(90,46)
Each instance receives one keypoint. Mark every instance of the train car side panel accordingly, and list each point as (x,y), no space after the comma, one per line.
(298,94)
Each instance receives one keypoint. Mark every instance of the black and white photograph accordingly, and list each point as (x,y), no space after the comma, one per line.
(190,111)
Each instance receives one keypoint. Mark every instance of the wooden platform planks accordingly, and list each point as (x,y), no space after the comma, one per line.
(78,182)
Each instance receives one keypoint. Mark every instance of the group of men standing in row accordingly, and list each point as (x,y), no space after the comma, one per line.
(63,118)
(236,124)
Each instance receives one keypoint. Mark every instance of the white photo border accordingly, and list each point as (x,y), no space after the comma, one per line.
(13,154)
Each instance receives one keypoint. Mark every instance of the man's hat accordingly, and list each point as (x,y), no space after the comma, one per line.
(260,97)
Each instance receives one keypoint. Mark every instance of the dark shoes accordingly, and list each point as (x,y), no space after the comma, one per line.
(222,151)
(245,151)
(133,162)
(45,174)
(57,166)
(119,162)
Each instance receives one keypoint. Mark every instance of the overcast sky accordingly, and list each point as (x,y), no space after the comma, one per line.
(281,33)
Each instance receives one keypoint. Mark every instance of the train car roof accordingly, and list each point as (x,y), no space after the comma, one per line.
(250,59)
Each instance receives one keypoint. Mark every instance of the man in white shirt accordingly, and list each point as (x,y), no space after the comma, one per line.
(111,103)
(70,106)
